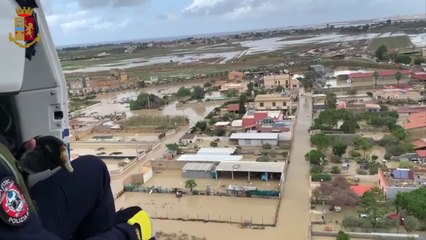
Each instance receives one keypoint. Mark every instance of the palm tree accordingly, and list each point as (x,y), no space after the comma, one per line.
(191,184)
(398,76)
(376,76)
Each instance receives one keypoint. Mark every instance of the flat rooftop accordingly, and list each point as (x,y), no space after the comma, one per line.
(216,151)
(208,158)
(205,167)
(260,136)
(250,167)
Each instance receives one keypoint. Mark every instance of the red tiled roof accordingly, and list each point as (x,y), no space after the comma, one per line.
(361,75)
(416,120)
(399,86)
(421,153)
(419,76)
(419,143)
(411,109)
(384,73)
(341,105)
(361,189)
(233,107)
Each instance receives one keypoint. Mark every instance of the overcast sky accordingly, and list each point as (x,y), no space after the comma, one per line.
(89,21)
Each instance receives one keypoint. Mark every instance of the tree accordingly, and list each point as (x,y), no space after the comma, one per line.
(146,101)
(173,147)
(191,184)
(404,59)
(413,202)
(220,132)
(342,236)
(373,204)
(322,141)
(314,157)
(243,101)
(411,223)
(339,149)
(335,170)
(213,144)
(331,101)
(364,144)
(349,126)
(407,164)
(398,77)
(201,126)
(250,88)
(198,93)
(388,140)
(381,51)
(316,169)
(399,132)
(339,191)
(376,76)
(183,92)
(419,61)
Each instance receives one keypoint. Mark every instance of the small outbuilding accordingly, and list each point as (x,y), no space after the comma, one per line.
(188,139)
(250,170)
(197,170)
(255,139)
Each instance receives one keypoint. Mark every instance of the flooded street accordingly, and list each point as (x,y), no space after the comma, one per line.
(293,218)
(110,104)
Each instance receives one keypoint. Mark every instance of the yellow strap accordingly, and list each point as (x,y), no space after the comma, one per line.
(142,218)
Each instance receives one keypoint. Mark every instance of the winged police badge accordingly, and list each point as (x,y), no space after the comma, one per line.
(26,34)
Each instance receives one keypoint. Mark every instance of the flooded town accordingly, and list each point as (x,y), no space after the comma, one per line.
(311,131)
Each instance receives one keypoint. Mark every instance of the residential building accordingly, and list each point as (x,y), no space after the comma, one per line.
(233,75)
(239,87)
(251,118)
(274,102)
(188,139)
(274,126)
(367,78)
(284,80)
(400,180)
(419,76)
(419,146)
(255,139)
(396,94)
(416,125)
(233,108)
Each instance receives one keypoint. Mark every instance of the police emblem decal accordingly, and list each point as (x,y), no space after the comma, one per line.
(14,209)
(25,34)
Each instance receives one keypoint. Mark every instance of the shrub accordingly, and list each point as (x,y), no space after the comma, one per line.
(318,176)
(213,144)
(262,159)
(316,169)
(335,170)
(354,153)
(351,222)
(361,172)
(267,146)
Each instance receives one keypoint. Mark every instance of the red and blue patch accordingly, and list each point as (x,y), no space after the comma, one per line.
(14,209)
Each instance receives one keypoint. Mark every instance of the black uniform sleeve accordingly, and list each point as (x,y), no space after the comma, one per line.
(18,222)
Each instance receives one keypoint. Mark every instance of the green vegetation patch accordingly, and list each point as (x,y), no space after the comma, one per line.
(390,42)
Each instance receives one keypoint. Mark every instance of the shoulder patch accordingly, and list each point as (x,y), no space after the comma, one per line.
(14,209)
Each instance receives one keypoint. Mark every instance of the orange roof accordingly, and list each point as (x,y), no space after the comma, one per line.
(233,107)
(421,153)
(419,143)
(416,120)
(361,189)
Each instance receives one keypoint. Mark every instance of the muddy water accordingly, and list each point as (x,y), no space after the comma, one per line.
(110,104)
(227,209)
(293,216)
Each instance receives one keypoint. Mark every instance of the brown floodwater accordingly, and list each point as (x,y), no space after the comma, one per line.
(293,218)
